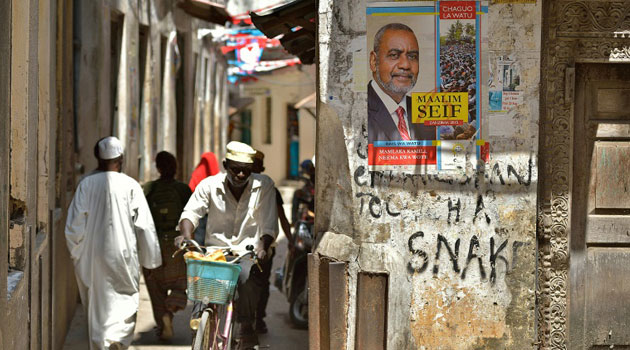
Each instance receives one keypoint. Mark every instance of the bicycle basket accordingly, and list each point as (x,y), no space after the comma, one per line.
(211,282)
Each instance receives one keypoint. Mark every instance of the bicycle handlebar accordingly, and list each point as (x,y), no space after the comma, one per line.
(188,242)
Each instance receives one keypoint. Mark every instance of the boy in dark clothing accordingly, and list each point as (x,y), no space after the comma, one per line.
(167,198)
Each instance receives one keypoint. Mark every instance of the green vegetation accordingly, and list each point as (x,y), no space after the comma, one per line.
(459,32)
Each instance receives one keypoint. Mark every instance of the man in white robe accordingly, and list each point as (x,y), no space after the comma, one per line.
(110,232)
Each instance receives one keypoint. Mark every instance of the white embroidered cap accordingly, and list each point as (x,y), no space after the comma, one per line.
(110,148)
(240,152)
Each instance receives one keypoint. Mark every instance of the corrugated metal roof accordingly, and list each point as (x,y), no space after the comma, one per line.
(296,22)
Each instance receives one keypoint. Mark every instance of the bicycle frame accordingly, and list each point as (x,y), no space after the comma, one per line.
(225,336)
(223,314)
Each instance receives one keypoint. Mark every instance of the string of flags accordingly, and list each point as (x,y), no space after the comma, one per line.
(239,70)
(248,44)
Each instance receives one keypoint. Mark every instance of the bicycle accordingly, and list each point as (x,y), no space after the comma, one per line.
(213,283)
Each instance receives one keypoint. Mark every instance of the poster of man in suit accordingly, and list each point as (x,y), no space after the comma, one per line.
(418,94)
(395,71)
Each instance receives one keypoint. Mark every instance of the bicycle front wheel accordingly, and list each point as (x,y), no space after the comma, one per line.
(206,334)
(209,335)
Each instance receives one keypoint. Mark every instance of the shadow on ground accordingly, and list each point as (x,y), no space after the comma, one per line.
(282,334)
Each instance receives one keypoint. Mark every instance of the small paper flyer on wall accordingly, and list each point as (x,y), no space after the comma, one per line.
(424,70)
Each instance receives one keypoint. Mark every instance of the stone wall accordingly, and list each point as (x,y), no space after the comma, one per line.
(459,249)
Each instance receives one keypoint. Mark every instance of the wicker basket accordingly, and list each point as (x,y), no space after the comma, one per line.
(211,282)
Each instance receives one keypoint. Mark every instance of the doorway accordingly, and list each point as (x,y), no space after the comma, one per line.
(293,143)
(599,238)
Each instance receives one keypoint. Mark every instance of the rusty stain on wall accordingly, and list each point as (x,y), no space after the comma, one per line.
(447,318)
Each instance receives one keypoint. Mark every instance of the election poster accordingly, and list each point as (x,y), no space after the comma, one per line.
(423,62)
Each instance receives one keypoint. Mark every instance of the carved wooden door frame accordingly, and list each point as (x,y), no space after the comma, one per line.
(573,32)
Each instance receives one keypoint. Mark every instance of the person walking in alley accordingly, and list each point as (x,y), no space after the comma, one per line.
(261,326)
(241,209)
(167,283)
(208,166)
(110,233)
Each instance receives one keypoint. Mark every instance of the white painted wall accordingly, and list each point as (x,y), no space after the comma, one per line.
(286,87)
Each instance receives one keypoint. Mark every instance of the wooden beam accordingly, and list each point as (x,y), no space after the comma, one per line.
(5,128)
(371,319)
(338,299)
(313,302)
(324,305)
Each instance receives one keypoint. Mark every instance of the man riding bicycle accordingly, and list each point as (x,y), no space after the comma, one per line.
(241,211)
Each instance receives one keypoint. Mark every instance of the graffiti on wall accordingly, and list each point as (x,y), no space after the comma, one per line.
(487,257)
(377,207)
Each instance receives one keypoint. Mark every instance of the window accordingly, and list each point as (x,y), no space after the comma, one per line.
(246,126)
(268,116)
(157,131)
(116,31)
(179,107)
(143,34)
(163,46)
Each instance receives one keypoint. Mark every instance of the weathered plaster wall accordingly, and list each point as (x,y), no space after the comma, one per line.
(5,135)
(27,191)
(459,249)
(22,167)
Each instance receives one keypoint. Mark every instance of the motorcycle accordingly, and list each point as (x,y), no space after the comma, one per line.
(292,278)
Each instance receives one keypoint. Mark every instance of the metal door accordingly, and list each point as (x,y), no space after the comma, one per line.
(599,293)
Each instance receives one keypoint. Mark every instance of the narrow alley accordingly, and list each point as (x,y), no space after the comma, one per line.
(435,174)
(171,81)
(283,335)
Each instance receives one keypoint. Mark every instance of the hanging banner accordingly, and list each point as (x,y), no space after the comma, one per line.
(424,71)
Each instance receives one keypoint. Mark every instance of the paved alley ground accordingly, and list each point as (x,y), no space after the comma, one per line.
(282,335)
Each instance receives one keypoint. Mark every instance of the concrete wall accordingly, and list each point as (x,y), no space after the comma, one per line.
(145,114)
(286,87)
(459,249)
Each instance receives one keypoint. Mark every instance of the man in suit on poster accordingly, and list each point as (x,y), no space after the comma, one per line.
(394,63)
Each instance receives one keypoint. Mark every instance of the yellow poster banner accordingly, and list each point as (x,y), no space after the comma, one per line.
(439,108)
